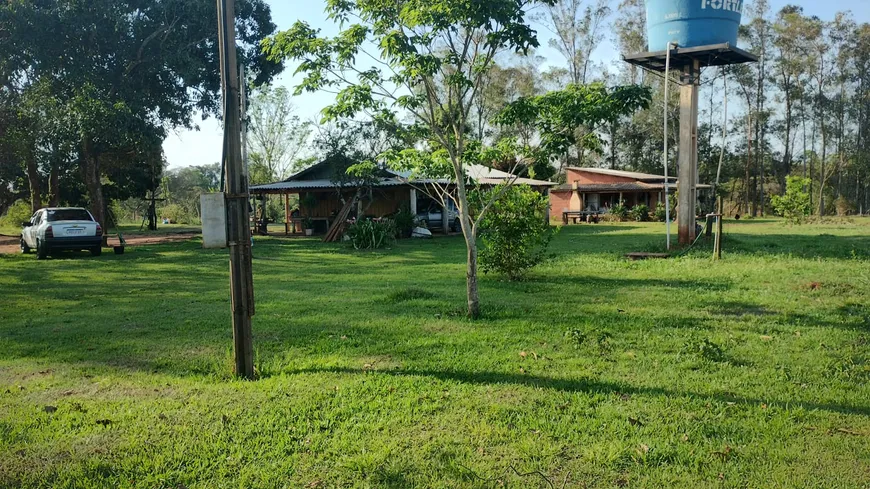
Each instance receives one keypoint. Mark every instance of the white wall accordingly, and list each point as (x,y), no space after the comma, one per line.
(214,220)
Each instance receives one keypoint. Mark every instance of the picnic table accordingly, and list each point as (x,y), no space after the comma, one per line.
(582,215)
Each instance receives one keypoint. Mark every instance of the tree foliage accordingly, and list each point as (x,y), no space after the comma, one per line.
(794,205)
(516,232)
(277,136)
(123,73)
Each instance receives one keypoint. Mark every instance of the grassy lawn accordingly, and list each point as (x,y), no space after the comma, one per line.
(596,372)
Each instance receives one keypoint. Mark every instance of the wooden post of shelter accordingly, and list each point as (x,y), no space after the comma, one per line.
(236,195)
(286,213)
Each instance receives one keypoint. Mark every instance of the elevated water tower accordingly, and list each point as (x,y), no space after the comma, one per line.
(688,35)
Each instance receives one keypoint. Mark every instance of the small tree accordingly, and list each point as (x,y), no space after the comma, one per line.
(515,232)
(432,64)
(794,205)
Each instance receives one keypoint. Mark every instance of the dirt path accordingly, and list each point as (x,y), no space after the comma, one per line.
(9,244)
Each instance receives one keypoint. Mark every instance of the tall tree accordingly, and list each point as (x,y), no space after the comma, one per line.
(145,63)
(578,27)
(277,136)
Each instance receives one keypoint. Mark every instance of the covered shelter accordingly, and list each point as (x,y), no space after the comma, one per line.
(325,189)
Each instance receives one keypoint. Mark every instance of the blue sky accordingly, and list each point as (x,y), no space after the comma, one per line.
(192,147)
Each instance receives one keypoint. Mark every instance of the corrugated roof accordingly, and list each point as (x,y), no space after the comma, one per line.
(316,184)
(621,187)
(621,173)
(479,173)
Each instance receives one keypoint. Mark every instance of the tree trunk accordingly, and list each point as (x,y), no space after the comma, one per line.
(91,164)
(54,185)
(471,280)
(468,230)
(747,182)
(33,179)
(823,177)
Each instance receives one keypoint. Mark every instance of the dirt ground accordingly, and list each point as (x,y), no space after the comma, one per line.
(9,244)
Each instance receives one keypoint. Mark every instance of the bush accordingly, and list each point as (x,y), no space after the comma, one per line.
(515,232)
(661,212)
(175,213)
(794,205)
(619,212)
(843,206)
(368,234)
(705,349)
(15,215)
(404,221)
(640,213)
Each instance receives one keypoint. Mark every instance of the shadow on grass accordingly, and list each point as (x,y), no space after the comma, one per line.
(582,385)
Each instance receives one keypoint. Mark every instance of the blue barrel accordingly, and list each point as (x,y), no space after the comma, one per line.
(692,23)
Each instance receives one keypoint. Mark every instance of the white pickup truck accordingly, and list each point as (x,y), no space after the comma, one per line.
(61,228)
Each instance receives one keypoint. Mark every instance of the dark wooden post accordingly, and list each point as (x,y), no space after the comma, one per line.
(688,155)
(717,244)
(238,216)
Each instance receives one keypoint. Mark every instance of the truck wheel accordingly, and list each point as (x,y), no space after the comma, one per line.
(24,248)
(96,251)
(456,226)
(41,250)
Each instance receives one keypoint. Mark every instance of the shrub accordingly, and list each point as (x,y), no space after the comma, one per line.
(661,212)
(175,213)
(705,349)
(368,234)
(843,206)
(794,205)
(515,232)
(16,214)
(404,221)
(619,211)
(640,213)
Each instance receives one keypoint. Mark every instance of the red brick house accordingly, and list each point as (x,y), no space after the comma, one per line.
(599,189)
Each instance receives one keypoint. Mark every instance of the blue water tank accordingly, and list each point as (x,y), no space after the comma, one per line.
(692,23)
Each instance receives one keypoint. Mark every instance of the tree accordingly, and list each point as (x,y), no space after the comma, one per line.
(794,205)
(277,137)
(578,28)
(138,67)
(433,60)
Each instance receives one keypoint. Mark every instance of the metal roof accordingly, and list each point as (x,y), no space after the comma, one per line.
(621,187)
(621,173)
(316,184)
(479,173)
(713,55)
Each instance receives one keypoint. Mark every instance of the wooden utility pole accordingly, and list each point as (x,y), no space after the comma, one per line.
(236,194)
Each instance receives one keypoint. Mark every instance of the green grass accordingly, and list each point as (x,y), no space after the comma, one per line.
(132,229)
(596,372)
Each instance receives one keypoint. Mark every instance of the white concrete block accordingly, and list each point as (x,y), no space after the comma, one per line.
(214,220)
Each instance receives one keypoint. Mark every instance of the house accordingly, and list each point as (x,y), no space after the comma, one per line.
(599,189)
(324,189)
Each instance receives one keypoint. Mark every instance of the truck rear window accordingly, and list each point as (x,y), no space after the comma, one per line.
(69,215)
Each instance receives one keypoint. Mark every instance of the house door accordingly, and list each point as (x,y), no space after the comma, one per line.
(593,202)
